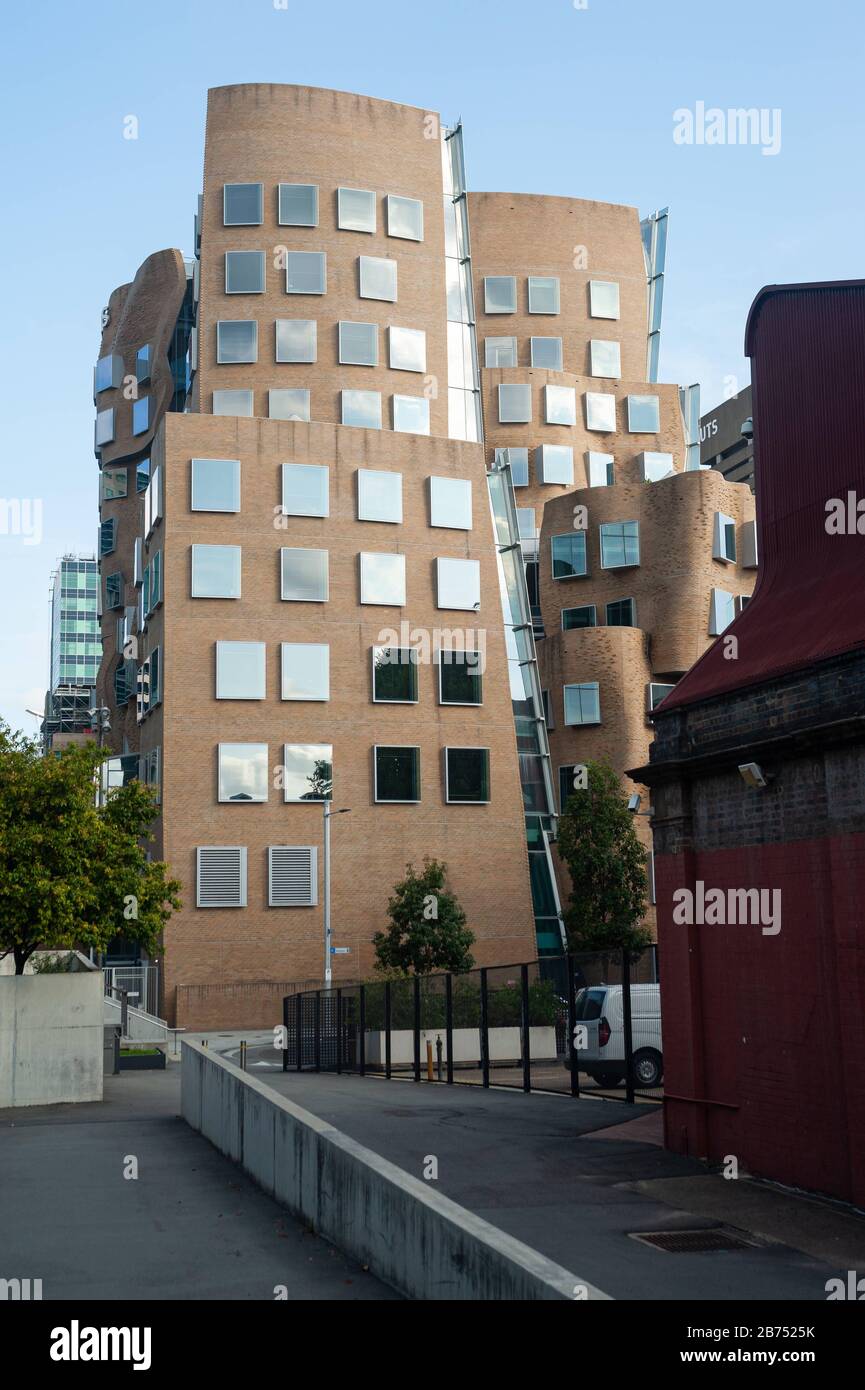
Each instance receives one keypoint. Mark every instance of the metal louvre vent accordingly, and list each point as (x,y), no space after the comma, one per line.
(221,876)
(292,875)
(692,1242)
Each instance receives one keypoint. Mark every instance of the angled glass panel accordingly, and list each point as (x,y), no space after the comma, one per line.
(394,675)
(599,468)
(411,415)
(519,462)
(215,571)
(405,218)
(396,775)
(407,349)
(241,671)
(583,703)
(296,340)
(500,352)
(620,544)
(546,352)
(244,272)
(460,678)
(382,579)
(304,575)
(242,204)
(543,294)
(458,584)
(378,278)
(644,414)
(355,210)
(243,772)
(569,555)
(362,409)
(305,670)
(584,616)
(467,774)
(288,403)
(560,405)
(232,402)
(515,404)
(305,489)
(379,495)
(603,299)
(600,412)
(451,503)
(237,340)
(555,464)
(500,294)
(307,771)
(215,485)
(358,344)
(306,272)
(298,205)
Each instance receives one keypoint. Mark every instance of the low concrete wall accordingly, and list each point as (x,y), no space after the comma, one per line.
(416,1240)
(504,1044)
(50,1038)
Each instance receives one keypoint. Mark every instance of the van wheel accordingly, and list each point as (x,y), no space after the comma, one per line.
(648,1068)
(607,1078)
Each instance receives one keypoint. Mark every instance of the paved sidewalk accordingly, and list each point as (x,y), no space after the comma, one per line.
(192,1226)
(542,1168)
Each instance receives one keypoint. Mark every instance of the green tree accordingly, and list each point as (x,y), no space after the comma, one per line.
(427,928)
(73,874)
(607,865)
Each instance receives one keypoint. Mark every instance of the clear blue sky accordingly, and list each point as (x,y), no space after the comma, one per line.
(554,99)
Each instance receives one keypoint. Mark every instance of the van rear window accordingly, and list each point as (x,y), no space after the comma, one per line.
(589,1003)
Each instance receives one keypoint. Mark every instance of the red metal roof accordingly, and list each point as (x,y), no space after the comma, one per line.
(807,349)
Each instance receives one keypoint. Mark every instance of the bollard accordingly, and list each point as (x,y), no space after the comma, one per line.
(429,1062)
(243,1054)
(439,1056)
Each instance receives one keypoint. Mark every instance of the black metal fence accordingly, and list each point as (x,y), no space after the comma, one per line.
(582,1024)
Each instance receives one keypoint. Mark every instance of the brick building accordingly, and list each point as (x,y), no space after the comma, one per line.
(301,430)
(758,775)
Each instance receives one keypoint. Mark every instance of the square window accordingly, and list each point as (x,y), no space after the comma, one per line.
(407,349)
(518,458)
(644,414)
(307,770)
(379,495)
(232,403)
(305,489)
(500,352)
(722,611)
(382,579)
(355,210)
(394,675)
(583,703)
(569,555)
(724,538)
(105,426)
(451,503)
(500,294)
(467,775)
(458,584)
(378,278)
(654,467)
(515,404)
(240,671)
(543,294)
(242,204)
(603,299)
(306,272)
(622,613)
(296,340)
(606,358)
(547,353)
(305,670)
(656,691)
(599,468)
(215,571)
(141,415)
(243,772)
(620,544)
(288,403)
(244,272)
(460,677)
(405,218)
(237,340)
(585,616)
(560,405)
(303,575)
(554,463)
(358,344)
(298,204)
(215,485)
(396,774)
(411,415)
(600,412)
(142,364)
(362,409)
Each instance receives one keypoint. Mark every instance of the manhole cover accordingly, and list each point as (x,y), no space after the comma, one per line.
(691,1242)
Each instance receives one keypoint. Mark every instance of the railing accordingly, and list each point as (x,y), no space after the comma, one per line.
(140,983)
(583,1024)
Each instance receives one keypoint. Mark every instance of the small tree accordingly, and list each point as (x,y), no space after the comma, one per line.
(427,928)
(71,873)
(607,865)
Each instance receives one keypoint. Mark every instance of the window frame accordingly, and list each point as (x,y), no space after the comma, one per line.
(255,222)
(242,801)
(580,608)
(247,254)
(626,564)
(571,536)
(580,723)
(305,550)
(413,663)
(466,801)
(396,801)
(259,675)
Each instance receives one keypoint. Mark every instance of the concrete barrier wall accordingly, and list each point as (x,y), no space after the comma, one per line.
(413,1238)
(50,1038)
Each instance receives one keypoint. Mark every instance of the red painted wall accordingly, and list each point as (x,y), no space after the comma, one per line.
(774,1026)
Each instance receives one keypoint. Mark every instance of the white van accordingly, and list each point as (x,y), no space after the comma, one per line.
(599,1011)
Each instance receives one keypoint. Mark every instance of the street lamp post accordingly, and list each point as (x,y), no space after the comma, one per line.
(328,813)
(103,725)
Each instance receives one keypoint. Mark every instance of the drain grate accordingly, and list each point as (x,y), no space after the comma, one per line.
(691,1242)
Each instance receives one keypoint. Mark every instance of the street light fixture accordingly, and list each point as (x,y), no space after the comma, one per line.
(328,814)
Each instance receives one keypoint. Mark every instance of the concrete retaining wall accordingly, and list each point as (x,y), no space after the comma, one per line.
(416,1240)
(50,1038)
